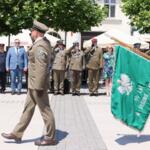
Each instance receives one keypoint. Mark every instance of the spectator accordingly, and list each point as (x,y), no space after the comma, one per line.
(108,61)
(16,63)
(2,68)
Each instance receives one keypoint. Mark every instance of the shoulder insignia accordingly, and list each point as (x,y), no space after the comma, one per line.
(41,54)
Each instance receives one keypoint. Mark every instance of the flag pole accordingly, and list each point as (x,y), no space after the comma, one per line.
(136,50)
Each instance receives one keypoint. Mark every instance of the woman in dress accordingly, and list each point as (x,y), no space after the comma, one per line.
(108,62)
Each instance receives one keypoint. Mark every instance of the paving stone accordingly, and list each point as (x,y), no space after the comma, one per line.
(76,129)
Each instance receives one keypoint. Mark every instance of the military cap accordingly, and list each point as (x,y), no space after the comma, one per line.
(76,43)
(60,42)
(2,44)
(94,40)
(39,26)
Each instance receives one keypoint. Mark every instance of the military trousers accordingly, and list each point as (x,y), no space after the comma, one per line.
(76,80)
(93,80)
(59,76)
(42,101)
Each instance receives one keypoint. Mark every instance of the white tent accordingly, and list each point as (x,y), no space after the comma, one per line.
(24,37)
(125,38)
(102,40)
(53,40)
(4,40)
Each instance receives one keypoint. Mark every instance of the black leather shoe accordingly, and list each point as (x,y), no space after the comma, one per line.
(95,93)
(62,93)
(91,94)
(11,136)
(78,93)
(73,94)
(43,142)
(12,93)
(2,91)
(56,93)
(18,93)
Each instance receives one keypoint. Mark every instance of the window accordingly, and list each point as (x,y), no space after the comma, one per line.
(111,6)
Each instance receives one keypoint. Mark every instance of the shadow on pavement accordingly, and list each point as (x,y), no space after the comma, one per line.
(60,135)
(127,139)
(23,141)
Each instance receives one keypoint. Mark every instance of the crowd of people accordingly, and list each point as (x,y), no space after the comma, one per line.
(41,61)
(64,61)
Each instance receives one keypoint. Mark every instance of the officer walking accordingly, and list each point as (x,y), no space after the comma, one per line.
(76,66)
(93,64)
(39,59)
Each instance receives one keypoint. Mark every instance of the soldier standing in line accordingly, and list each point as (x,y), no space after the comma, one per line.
(94,59)
(59,67)
(39,61)
(76,66)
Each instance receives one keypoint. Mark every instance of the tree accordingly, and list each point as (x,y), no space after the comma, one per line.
(67,15)
(17,15)
(139,14)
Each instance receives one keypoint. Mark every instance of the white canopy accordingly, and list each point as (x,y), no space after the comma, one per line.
(125,38)
(4,40)
(102,41)
(52,39)
(24,37)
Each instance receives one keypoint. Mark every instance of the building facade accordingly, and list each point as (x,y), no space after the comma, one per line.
(116,19)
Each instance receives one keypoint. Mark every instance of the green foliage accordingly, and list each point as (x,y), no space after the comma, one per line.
(67,15)
(139,14)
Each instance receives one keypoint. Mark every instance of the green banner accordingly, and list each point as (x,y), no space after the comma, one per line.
(130,101)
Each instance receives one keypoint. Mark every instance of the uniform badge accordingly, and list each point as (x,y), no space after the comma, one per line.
(41,54)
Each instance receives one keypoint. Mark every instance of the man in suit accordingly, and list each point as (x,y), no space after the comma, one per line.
(16,63)
(38,76)
(94,59)
(2,68)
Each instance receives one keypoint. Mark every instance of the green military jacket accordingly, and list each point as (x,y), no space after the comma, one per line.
(94,58)
(76,60)
(39,62)
(60,59)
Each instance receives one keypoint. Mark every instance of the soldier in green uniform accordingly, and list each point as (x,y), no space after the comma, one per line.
(39,61)
(59,67)
(94,59)
(76,66)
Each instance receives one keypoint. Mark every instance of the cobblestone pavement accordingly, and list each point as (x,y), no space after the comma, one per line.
(76,129)
(82,123)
